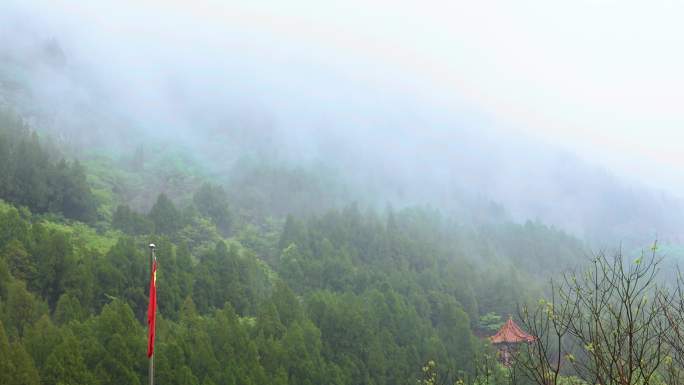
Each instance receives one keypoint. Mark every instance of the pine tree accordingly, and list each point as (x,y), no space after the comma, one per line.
(165,216)
(212,202)
(40,340)
(65,365)
(25,372)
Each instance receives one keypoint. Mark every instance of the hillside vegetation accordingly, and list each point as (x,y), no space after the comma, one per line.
(250,291)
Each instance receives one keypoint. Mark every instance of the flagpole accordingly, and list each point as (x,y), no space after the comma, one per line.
(152,258)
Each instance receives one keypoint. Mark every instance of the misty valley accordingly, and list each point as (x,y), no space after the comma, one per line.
(226,193)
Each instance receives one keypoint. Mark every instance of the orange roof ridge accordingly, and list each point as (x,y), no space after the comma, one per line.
(510,332)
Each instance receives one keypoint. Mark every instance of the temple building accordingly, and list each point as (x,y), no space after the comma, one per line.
(507,339)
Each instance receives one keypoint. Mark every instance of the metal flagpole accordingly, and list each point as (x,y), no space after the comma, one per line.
(152,369)
(152,258)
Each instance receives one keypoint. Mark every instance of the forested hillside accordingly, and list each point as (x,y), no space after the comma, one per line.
(248,293)
(341,193)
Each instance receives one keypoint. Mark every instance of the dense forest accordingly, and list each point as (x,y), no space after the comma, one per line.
(341,193)
(246,293)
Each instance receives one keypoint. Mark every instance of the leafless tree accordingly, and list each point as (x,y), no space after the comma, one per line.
(605,325)
(672,305)
(541,359)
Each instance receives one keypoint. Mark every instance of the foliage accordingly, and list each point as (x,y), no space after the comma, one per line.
(30,177)
(247,293)
(607,324)
(491,322)
(212,202)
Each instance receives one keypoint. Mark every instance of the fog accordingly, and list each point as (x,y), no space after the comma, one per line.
(468,108)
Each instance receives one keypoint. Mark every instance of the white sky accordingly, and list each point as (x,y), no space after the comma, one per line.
(601,78)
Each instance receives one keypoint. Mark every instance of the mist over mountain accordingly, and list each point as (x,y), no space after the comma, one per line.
(338,193)
(225,96)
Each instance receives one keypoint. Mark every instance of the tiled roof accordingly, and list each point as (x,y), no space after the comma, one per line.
(510,332)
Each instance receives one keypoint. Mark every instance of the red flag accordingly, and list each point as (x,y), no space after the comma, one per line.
(152,310)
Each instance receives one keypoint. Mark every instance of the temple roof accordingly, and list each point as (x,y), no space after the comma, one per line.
(511,333)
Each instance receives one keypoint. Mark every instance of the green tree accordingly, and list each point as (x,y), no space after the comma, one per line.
(55,260)
(12,225)
(131,222)
(165,216)
(212,202)
(21,309)
(491,322)
(124,273)
(70,193)
(121,361)
(25,372)
(20,264)
(6,365)
(68,309)
(286,303)
(30,175)
(5,279)
(65,365)
(40,340)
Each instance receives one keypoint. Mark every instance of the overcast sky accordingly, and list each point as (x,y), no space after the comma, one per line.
(600,78)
